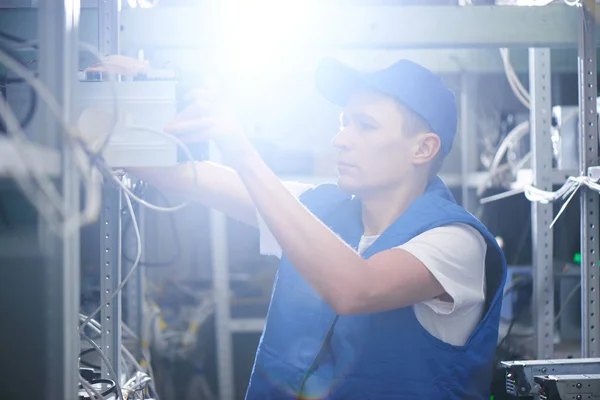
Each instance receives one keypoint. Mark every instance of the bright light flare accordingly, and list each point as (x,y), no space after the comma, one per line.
(258,35)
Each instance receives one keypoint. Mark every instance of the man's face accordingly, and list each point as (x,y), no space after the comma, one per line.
(374,152)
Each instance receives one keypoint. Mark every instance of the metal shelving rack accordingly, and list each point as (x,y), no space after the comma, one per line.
(384,29)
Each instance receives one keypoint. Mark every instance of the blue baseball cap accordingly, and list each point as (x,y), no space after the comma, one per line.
(413,85)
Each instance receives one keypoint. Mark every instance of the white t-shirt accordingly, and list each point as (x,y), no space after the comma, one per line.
(454,254)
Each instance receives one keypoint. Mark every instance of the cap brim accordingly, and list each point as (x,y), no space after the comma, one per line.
(336,81)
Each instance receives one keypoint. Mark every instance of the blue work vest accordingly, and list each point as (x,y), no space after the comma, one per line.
(307,351)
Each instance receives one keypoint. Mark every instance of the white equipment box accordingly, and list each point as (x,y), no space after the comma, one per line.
(149,104)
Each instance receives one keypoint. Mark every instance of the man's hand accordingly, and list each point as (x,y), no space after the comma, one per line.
(209,117)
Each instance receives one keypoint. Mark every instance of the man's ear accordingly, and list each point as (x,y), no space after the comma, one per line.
(428,146)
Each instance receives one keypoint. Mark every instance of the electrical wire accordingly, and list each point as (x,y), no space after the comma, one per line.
(31,108)
(92,208)
(188,154)
(15,130)
(52,204)
(93,204)
(97,328)
(561,309)
(513,80)
(89,321)
(566,192)
(18,42)
(175,235)
(89,389)
(565,302)
(138,382)
(133,267)
(4,218)
(106,361)
(516,134)
(85,352)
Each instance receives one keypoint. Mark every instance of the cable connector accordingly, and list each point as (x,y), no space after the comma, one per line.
(594,173)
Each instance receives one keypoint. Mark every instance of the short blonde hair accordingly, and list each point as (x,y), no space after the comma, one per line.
(413,124)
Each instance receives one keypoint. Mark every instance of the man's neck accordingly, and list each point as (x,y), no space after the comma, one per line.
(380,209)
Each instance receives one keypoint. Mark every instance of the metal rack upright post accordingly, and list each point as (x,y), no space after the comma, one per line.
(588,157)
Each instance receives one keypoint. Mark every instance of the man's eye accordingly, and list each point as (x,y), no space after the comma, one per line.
(366,126)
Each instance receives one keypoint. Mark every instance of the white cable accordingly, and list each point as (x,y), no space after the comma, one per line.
(57,218)
(19,138)
(188,154)
(516,134)
(513,80)
(106,362)
(43,206)
(513,136)
(566,192)
(97,328)
(92,206)
(88,172)
(89,389)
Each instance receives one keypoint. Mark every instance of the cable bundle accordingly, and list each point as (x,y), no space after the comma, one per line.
(566,192)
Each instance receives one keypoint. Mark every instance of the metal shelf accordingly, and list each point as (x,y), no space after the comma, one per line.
(447,39)
(372,27)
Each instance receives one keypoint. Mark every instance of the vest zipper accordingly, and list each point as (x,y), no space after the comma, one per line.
(315,364)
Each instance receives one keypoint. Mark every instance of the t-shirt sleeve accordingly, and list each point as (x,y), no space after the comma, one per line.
(268,243)
(455,255)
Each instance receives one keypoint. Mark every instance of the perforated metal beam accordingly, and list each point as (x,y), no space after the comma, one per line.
(541,214)
(588,153)
(110,278)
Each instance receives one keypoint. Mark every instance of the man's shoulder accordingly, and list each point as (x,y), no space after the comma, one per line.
(460,238)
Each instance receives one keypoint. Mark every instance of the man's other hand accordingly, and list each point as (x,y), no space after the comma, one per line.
(207,117)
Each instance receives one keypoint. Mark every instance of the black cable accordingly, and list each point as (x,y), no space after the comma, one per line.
(114,120)
(31,108)
(33,102)
(88,364)
(106,361)
(4,218)
(510,327)
(517,284)
(14,39)
(112,386)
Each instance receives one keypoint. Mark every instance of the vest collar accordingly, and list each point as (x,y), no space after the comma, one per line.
(349,218)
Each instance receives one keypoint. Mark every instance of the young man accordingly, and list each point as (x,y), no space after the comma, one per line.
(387,289)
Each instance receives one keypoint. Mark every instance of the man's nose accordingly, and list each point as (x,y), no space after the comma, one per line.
(341,140)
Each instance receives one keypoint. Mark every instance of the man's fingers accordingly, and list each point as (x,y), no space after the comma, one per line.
(190,126)
(203,94)
(198,108)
